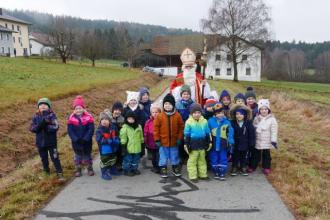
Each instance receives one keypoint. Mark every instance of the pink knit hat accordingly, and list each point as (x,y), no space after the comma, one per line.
(78,101)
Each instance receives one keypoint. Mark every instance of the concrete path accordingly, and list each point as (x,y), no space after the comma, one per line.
(149,197)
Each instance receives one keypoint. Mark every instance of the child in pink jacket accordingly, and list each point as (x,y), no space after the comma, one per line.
(149,138)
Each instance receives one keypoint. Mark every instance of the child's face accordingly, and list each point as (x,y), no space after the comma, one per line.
(78,110)
(43,107)
(196,115)
(250,101)
(105,122)
(145,97)
(130,120)
(209,109)
(240,102)
(185,96)
(154,112)
(116,113)
(220,115)
(239,116)
(264,111)
(132,103)
(168,106)
(226,100)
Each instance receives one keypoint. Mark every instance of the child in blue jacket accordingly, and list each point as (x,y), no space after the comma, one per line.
(108,142)
(222,141)
(44,125)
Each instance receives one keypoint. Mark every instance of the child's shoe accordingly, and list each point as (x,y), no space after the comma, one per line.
(222,177)
(176,171)
(216,176)
(155,170)
(204,178)
(105,174)
(78,173)
(114,171)
(194,180)
(136,172)
(244,172)
(233,171)
(266,171)
(250,170)
(90,170)
(60,177)
(163,172)
(128,173)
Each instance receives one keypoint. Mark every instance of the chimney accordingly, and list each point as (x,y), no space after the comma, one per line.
(0,11)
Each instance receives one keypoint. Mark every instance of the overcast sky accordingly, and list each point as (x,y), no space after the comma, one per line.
(303,20)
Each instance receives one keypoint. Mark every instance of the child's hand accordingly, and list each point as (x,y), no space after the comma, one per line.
(187,148)
(274,144)
(209,148)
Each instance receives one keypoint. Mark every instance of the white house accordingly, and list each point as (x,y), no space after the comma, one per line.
(40,44)
(220,66)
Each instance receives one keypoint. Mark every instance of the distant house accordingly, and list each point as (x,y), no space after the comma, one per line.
(6,42)
(20,34)
(219,65)
(40,44)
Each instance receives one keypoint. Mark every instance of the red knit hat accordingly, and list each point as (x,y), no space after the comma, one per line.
(78,101)
(210,102)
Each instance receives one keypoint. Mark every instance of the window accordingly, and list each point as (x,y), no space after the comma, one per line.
(244,57)
(217,72)
(14,39)
(1,36)
(18,29)
(12,27)
(217,57)
(228,71)
(9,50)
(7,36)
(248,71)
(229,57)
(2,50)
(6,25)
(19,39)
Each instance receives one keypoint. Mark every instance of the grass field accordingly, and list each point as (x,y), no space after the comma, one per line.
(301,166)
(25,80)
(23,188)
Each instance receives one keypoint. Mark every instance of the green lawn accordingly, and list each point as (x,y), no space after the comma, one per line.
(25,80)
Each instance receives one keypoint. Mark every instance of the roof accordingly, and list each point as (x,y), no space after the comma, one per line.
(10,18)
(41,38)
(4,29)
(174,45)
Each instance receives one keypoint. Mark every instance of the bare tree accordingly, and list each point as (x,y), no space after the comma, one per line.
(322,66)
(63,38)
(91,45)
(237,21)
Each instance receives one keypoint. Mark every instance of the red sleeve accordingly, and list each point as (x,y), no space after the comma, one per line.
(178,81)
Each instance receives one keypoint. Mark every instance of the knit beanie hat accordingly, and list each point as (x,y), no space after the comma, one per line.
(242,111)
(105,116)
(210,102)
(218,107)
(143,90)
(132,95)
(195,108)
(263,103)
(223,94)
(117,105)
(250,93)
(44,101)
(169,98)
(79,101)
(239,96)
(185,88)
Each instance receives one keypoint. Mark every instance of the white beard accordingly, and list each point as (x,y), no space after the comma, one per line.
(189,77)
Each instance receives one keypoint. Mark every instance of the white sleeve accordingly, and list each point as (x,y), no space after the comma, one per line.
(176,93)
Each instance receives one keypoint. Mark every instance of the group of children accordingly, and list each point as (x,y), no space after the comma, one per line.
(179,132)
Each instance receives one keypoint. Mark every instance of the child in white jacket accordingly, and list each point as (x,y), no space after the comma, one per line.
(266,136)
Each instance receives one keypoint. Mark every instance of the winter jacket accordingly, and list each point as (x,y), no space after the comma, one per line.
(266,131)
(140,115)
(118,122)
(131,138)
(45,126)
(107,139)
(207,114)
(168,129)
(244,136)
(197,133)
(222,132)
(81,130)
(149,134)
(146,108)
(183,107)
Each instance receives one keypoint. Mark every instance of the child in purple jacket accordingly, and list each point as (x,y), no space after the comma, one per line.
(149,138)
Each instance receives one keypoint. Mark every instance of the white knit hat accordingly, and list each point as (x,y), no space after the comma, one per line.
(263,103)
(132,95)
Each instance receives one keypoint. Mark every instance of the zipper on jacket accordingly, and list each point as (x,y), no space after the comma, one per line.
(169,129)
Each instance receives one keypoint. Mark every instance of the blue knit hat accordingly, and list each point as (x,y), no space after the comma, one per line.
(143,90)
(242,111)
(239,96)
(223,94)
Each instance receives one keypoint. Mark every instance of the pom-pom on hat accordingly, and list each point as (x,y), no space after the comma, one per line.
(79,101)
(250,93)
(44,101)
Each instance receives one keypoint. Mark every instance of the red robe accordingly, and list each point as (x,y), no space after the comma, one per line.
(179,81)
